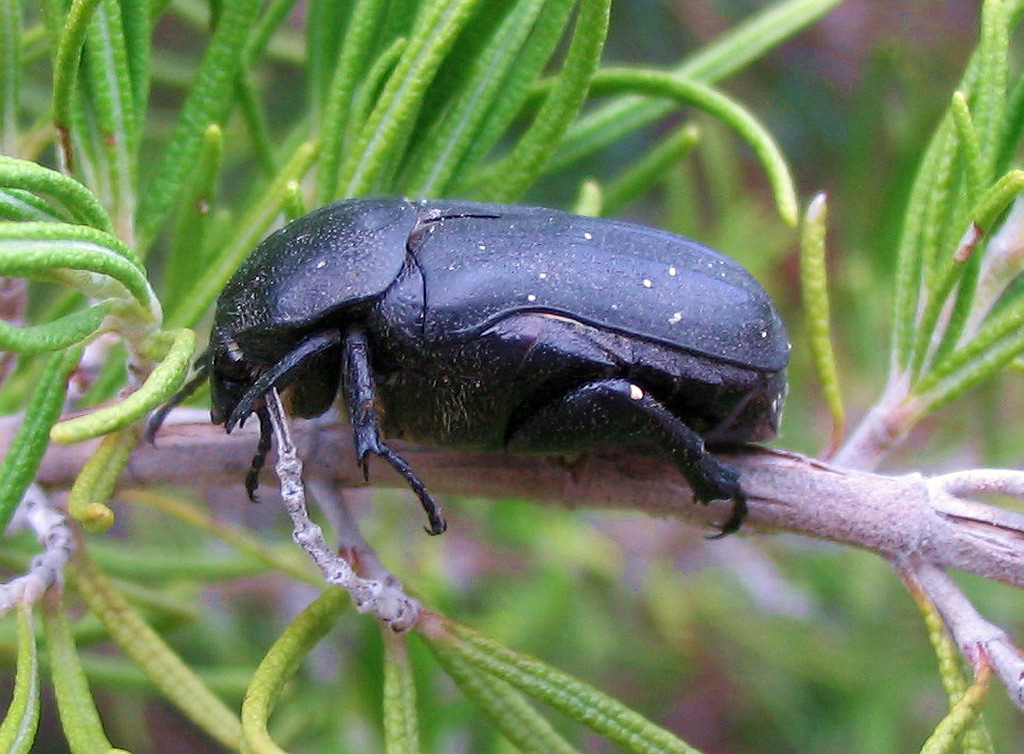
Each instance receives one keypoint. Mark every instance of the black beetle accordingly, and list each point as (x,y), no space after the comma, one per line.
(500,328)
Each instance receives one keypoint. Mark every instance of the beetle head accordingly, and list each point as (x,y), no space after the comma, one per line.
(234,373)
(238,381)
(229,379)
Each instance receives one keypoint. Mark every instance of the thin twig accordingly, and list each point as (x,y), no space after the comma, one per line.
(890,515)
(919,524)
(383,598)
(980,642)
(46,568)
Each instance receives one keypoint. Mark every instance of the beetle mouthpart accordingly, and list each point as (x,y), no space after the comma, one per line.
(276,376)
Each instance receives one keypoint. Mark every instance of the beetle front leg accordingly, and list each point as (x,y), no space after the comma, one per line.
(252,477)
(615,411)
(360,394)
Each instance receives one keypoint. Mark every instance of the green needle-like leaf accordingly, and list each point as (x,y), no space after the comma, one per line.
(961,717)
(65,69)
(113,108)
(164,668)
(814,289)
(970,143)
(443,148)
(975,739)
(997,198)
(517,720)
(78,716)
(138,27)
(18,729)
(401,724)
(71,195)
(11,32)
(997,343)
(57,335)
(87,501)
(325,28)
(387,129)
(336,122)
(250,227)
(731,52)
(281,662)
(78,256)
(162,383)
(207,102)
(717,104)
(22,206)
(523,72)
(989,97)
(928,204)
(33,435)
(514,173)
(366,97)
(575,699)
(183,266)
(639,177)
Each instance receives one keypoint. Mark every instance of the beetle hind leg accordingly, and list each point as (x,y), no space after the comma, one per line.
(360,393)
(614,411)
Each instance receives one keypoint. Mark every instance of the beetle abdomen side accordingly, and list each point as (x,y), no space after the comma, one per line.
(472,394)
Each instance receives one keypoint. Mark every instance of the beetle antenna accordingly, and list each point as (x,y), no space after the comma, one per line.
(157,418)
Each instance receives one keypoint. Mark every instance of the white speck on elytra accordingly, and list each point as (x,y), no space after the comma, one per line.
(647,283)
(675,318)
(481,246)
(636,392)
(672,271)
(588,236)
(531,297)
(543,275)
(321,264)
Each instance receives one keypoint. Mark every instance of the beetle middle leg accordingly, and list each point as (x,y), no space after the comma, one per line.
(615,411)
(360,394)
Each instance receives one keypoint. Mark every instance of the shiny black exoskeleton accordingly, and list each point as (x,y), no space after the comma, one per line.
(502,328)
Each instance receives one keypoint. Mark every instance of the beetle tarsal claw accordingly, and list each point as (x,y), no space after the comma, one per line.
(737,514)
(435,522)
